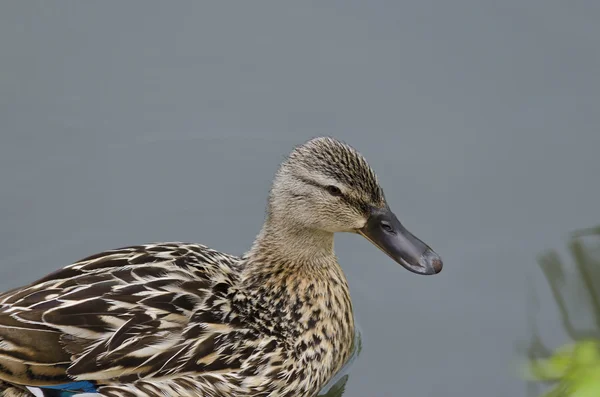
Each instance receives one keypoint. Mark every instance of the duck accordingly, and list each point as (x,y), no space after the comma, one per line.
(183,319)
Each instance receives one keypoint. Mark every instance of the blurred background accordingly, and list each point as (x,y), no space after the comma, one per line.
(140,121)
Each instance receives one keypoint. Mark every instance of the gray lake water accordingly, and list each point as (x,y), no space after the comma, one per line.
(140,121)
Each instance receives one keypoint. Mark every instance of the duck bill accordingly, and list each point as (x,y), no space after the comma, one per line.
(385,231)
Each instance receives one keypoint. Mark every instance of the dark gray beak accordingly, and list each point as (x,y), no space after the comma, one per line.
(385,231)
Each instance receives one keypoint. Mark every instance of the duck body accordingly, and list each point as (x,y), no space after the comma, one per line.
(172,319)
(179,319)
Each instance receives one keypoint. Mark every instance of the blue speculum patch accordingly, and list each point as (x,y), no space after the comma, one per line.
(69,389)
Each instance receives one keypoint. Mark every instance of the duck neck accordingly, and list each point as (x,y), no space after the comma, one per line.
(293,287)
(290,247)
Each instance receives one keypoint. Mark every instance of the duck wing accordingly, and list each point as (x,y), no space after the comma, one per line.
(141,311)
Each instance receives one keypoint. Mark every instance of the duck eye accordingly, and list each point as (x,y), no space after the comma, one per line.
(334,190)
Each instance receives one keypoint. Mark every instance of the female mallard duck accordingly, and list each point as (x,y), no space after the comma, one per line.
(176,319)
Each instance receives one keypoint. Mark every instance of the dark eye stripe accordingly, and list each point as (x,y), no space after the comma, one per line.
(310,182)
(326,187)
(351,201)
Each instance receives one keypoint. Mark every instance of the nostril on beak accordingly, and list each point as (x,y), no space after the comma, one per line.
(387,227)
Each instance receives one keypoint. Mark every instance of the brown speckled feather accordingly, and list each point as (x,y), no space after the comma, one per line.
(141,320)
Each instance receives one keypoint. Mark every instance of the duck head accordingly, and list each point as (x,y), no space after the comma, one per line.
(327,186)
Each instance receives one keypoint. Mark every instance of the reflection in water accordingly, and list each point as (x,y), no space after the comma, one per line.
(574,369)
(337,385)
